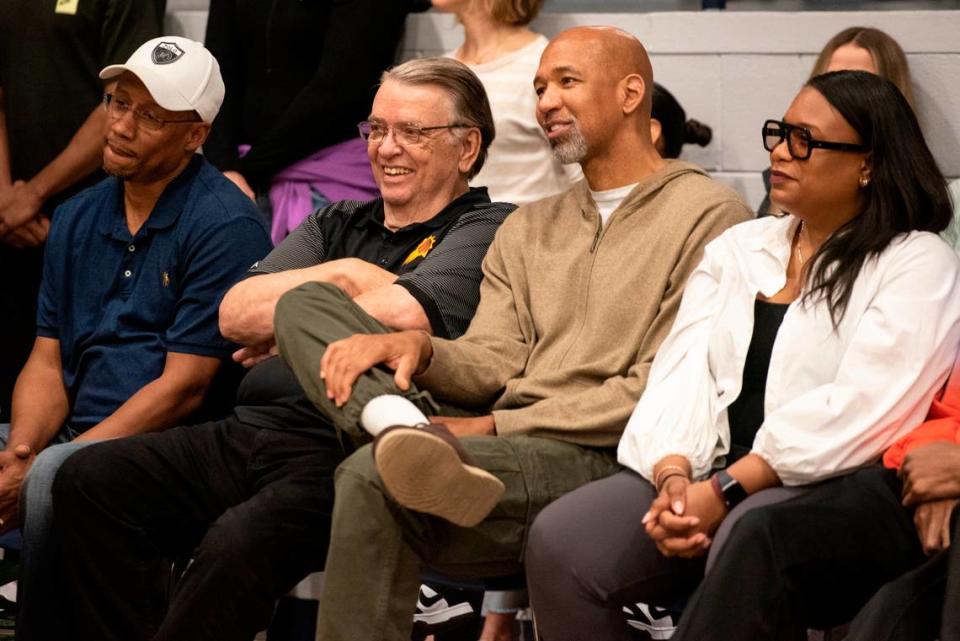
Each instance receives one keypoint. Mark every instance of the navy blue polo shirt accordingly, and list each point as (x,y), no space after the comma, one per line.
(119,302)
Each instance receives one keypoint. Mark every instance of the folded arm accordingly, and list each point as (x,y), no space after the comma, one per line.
(395,307)
(77,160)
(246,313)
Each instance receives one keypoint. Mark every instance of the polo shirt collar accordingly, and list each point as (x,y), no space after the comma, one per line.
(473,198)
(168,207)
(174,197)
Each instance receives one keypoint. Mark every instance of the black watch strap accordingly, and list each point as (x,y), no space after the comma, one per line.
(733,492)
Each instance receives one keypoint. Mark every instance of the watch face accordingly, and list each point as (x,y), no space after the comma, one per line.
(732,491)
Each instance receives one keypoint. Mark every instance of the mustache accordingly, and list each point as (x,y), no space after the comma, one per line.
(558,120)
(118,146)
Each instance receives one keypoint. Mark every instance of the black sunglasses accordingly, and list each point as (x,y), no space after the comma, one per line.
(800,142)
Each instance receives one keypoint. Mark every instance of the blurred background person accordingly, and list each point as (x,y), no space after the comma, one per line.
(51,136)
(299,77)
(857,49)
(504,52)
(670,128)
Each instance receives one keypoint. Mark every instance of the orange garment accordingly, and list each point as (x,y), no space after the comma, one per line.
(942,424)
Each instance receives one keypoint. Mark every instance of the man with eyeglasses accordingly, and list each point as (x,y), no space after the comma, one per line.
(127,327)
(249,497)
(51,141)
(579,291)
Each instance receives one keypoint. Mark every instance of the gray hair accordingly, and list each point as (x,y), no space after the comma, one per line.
(470,102)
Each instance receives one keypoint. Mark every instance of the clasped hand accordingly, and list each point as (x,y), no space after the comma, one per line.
(22,224)
(251,355)
(931,484)
(14,465)
(683,517)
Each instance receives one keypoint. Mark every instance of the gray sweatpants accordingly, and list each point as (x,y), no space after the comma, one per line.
(588,555)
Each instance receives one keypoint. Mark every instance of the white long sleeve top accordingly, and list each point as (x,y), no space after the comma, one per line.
(835,398)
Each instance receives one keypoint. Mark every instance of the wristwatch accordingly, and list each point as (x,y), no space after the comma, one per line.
(728,488)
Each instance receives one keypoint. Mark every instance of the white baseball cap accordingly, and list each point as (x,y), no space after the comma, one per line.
(179,73)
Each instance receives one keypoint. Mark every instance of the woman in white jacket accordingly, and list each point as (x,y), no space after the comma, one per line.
(805,345)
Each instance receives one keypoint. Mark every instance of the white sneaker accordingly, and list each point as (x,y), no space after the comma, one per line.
(434,609)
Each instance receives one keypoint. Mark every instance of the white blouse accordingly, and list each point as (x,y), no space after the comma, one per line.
(835,399)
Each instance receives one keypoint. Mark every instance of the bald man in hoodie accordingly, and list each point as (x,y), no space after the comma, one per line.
(579,290)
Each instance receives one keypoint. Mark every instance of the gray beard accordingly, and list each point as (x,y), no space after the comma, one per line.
(572,149)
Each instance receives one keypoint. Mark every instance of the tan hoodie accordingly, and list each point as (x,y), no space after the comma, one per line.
(571,312)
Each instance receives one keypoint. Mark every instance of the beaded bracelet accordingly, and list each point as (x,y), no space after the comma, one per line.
(660,478)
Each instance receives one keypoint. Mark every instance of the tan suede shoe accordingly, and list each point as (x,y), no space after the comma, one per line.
(426,469)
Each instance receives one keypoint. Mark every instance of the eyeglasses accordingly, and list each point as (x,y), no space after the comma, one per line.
(117,108)
(800,142)
(405,133)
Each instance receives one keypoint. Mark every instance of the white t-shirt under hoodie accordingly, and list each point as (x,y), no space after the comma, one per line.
(520,166)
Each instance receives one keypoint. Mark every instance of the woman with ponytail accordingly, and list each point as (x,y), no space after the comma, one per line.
(670,128)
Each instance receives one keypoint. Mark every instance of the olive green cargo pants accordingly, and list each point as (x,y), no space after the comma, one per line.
(377,547)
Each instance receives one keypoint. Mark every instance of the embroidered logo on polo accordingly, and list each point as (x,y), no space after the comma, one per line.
(422,249)
(165,53)
(67,7)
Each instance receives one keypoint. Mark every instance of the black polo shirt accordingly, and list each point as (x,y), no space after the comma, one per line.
(438,261)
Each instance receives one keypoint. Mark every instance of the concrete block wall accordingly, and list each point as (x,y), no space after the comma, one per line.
(733,70)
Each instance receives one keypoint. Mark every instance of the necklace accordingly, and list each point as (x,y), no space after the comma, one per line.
(799,252)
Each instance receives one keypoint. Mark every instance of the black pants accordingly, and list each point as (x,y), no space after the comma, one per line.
(810,561)
(251,507)
(921,605)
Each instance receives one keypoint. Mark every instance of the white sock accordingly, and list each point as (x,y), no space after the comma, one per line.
(388,410)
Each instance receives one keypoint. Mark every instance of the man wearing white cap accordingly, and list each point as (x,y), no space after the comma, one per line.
(127,326)
(51,128)
(248,497)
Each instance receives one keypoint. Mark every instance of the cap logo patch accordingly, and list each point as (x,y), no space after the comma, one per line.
(165,53)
